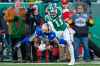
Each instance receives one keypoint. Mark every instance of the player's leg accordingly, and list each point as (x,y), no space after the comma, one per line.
(67,37)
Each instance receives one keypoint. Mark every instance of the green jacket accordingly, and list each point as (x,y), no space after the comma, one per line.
(18,29)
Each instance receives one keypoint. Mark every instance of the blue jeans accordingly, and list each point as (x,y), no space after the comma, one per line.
(77,42)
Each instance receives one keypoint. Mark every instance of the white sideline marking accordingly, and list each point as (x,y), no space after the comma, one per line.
(45,63)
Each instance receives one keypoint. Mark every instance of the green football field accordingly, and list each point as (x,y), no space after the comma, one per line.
(31,64)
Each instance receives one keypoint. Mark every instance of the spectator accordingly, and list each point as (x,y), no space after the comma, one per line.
(87,2)
(81,20)
(33,17)
(30,18)
(4,30)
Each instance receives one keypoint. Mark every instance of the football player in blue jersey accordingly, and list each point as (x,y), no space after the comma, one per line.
(48,44)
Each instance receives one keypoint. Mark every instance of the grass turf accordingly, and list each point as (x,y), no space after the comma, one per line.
(29,64)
